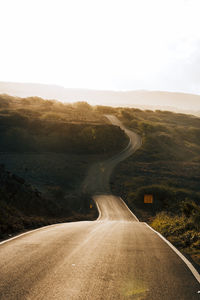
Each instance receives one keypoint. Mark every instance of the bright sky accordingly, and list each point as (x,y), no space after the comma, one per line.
(102,44)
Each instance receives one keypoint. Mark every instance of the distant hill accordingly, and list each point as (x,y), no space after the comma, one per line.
(178,102)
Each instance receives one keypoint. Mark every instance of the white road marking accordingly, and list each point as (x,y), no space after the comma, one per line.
(27,232)
(99,217)
(186,261)
(129,209)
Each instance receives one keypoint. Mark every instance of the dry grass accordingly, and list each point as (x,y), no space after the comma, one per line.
(181,231)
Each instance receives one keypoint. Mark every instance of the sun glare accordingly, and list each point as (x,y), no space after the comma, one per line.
(100,44)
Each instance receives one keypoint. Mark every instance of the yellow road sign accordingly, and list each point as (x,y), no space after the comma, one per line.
(148,198)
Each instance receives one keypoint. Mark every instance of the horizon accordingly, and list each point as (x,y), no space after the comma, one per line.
(99,90)
(143,99)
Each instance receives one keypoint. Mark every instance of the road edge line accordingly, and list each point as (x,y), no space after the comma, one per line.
(27,232)
(97,205)
(186,261)
(129,209)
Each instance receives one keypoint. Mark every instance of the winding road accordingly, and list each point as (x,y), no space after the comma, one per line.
(115,257)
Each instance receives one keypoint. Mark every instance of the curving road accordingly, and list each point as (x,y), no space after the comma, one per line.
(115,257)
(97,180)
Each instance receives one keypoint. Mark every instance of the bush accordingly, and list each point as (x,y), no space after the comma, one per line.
(177,229)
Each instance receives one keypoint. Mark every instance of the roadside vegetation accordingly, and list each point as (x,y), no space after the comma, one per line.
(24,207)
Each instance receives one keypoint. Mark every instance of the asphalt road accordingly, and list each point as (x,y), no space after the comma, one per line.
(115,257)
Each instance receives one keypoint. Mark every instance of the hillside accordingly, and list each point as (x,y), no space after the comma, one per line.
(36,125)
(24,207)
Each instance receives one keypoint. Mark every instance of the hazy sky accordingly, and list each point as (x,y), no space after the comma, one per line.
(111,44)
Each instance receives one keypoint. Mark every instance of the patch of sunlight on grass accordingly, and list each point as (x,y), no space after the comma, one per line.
(135,289)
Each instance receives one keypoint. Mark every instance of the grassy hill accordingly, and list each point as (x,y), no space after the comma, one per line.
(35,125)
